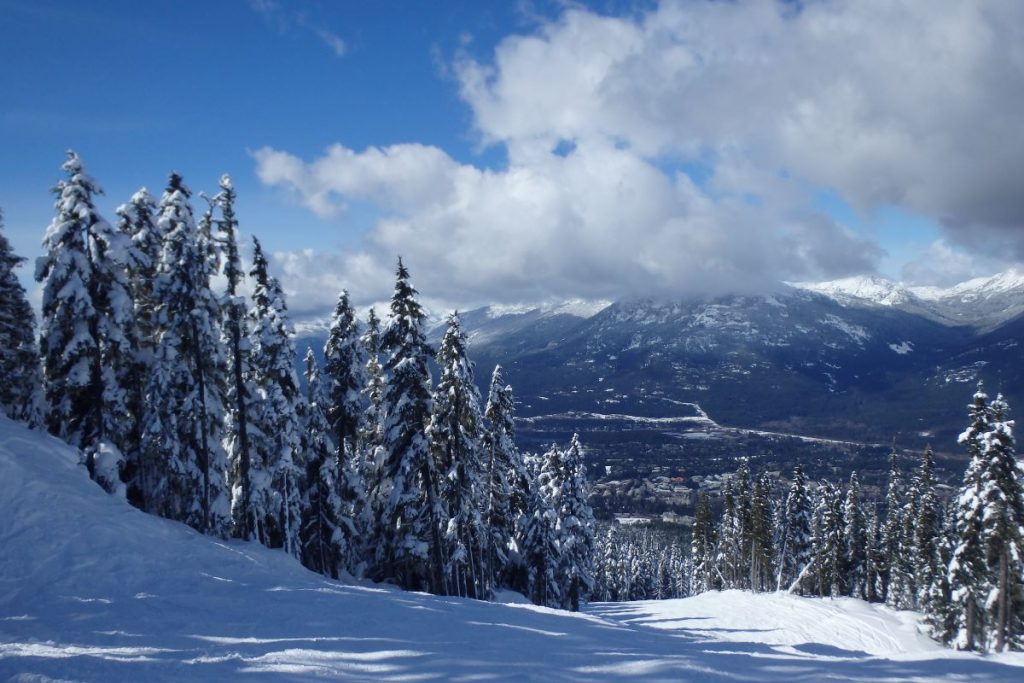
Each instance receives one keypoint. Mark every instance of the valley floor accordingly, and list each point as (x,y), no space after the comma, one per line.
(93,590)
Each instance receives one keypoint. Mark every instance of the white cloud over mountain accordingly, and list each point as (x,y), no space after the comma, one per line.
(884,102)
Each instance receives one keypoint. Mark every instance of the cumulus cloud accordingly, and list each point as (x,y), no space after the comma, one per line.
(605,119)
(890,102)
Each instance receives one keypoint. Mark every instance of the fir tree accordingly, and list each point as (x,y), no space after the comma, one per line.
(239,393)
(344,366)
(324,525)
(456,447)
(889,545)
(927,532)
(409,548)
(276,413)
(88,340)
(137,227)
(795,549)
(184,463)
(503,465)
(872,575)
(541,542)
(705,572)
(20,391)
(576,529)
(830,543)
(855,540)
(968,573)
(1002,500)
(760,543)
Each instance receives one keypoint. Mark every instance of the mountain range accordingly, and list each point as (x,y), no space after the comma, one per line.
(864,358)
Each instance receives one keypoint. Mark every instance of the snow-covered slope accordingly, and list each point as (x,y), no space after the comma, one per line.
(982,302)
(93,590)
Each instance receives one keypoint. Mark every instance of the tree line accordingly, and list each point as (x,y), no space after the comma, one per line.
(959,560)
(186,401)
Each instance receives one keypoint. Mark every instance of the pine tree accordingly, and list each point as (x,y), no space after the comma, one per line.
(576,529)
(855,540)
(702,549)
(143,243)
(872,575)
(137,220)
(20,391)
(760,544)
(830,543)
(889,546)
(795,549)
(409,548)
(927,532)
(968,573)
(344,366)
(729,556)
(88,340)
(503,465)
(1002,499)
(373,397)
(323,522)
(239,393)
(457,449)
(276,413)
(184,463)
(541,543)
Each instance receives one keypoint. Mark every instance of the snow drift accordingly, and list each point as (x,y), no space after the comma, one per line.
(94,590)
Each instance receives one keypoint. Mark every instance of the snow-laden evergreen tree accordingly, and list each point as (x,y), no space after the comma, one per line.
(728,560)
(927,532)
(830,543)
(705,575)
(541,545)
(968,573)
(137,220)
(409,547)
(1002,500)
(21,388)
(239,393)
(373,398)
(856,541)
(345,360)
(872,576)
(762,569)
(456,445)
(889,546)
(275,414)
(903,589)
(795,548)
(937,603)
(184,464)
(325,528)
(88,340)
(576,529)
(503,466)
(345,368)
(137,226)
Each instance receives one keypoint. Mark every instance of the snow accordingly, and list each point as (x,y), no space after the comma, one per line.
(94,590)
(870,288)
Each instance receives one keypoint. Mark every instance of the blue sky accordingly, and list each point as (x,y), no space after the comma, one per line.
(527,150)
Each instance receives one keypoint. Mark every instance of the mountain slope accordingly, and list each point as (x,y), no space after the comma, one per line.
(93,590)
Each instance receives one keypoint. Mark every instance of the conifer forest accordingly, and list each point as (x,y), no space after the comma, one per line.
(165,353)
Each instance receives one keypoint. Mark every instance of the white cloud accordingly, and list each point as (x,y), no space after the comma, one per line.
(285,18)
(885,102)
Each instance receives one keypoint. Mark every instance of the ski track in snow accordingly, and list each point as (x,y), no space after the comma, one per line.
(93,590)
